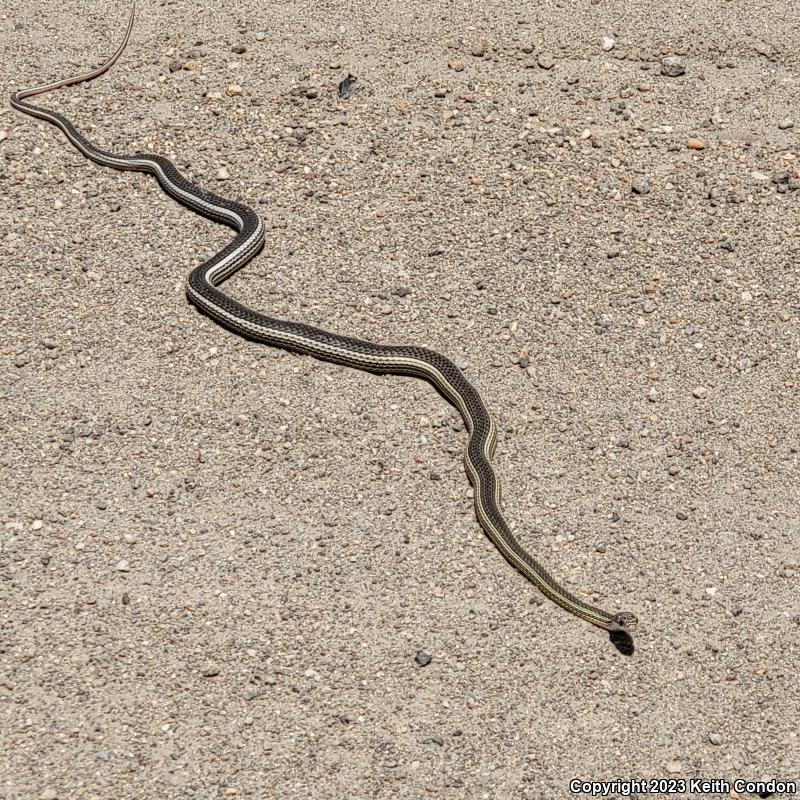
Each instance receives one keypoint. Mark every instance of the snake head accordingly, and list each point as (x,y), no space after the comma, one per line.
(625,621)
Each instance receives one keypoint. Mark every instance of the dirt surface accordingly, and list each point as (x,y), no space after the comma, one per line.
(223,567)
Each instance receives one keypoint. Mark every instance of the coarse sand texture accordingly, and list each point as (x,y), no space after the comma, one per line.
(230,571)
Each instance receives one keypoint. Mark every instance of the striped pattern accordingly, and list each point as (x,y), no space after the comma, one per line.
(300,338)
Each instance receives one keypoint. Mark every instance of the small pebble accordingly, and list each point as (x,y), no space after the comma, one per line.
(763,49)
(672,66)
(640,186)
(673,767)
(781,176)
(422,658)
(607,43)
(545,61)
(223,174)
(786,123)
(122,566)
(478,50)
(699,392)
(209,670)
(695,144)
(347,86)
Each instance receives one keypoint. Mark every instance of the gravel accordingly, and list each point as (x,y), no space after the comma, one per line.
(274,518)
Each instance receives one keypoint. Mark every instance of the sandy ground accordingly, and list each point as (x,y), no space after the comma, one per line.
(219,561)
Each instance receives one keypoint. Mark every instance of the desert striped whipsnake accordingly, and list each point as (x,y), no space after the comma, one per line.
(301,338)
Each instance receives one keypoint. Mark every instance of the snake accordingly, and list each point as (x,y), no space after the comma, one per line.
(202,290)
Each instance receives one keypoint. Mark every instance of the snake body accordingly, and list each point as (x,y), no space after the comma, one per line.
(298,337)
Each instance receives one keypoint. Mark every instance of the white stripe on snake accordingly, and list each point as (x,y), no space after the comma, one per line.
(301,338)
